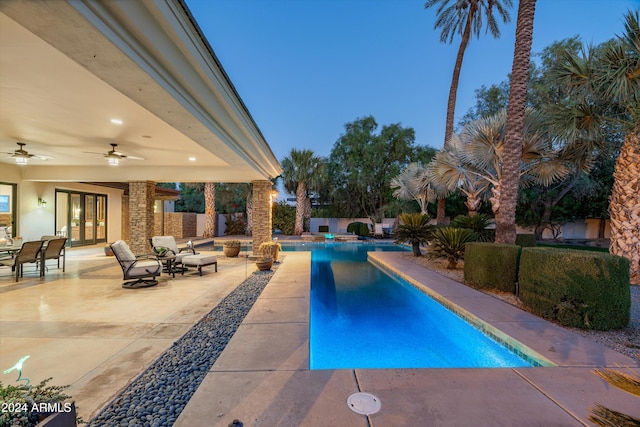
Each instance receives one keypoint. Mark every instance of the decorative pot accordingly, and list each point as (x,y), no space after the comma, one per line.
(231,251)
(264,265)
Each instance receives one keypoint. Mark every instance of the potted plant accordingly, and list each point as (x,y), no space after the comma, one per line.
(231,248)
(107,250)
(264,263)
(270,249)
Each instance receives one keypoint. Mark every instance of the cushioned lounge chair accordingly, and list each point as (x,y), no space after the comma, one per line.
(142,268)
(169,243)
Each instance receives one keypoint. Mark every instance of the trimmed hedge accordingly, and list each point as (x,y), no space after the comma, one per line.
(359,228)
(526,240)
(491,266)
(582,289)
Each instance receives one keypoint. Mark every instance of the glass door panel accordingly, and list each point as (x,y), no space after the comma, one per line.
(76,212)
(89,218)
(62,214)
(101,218)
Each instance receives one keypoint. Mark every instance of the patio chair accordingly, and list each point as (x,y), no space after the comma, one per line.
(55,250)
(30,252)
(140,268)
(169,243)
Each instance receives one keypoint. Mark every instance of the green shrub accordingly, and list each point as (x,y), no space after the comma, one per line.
(491,266)
(449,243)
(578,288)
(284,217)
(415,229)
(526,240)
(22,397)
(233,226)
(359,228)
(477,223)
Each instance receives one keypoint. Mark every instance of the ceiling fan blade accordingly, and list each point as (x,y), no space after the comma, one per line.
(133,157)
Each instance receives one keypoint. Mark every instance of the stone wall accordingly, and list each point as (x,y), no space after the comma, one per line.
(125,218)
(180,224)
(141,220)
(262,222)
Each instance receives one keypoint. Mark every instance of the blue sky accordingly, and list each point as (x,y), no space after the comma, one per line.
(304,68)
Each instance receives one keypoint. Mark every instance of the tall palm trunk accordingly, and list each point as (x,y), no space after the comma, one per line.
(451,103)
(209,209)
(624,205)
(455,79)
(249,215)
(306,222)
(301,195)
(514,132)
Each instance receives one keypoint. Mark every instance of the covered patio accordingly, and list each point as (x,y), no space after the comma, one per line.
(129,92)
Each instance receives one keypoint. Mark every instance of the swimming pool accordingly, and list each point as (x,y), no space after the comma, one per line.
(362,317)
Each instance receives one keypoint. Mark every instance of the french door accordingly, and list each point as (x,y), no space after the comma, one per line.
(81,217)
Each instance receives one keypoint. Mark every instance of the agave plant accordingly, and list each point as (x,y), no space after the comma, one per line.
(415,229)
(477,223)
(449,243)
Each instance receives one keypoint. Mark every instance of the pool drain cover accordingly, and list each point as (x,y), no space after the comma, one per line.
(364,403)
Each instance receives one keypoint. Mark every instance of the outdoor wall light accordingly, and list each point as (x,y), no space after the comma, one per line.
(42,203)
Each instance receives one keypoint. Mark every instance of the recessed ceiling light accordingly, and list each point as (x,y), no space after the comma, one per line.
(192,159)
(116,121)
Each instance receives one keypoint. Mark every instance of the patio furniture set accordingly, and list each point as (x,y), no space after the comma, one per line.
(141,271)
(17,254)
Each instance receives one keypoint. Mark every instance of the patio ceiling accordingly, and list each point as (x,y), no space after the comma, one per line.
(68,68)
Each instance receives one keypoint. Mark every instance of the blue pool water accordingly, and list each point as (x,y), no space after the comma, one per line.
(363,318)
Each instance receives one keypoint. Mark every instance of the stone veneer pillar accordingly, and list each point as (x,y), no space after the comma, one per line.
(262,221)
(124,221)
(141,218)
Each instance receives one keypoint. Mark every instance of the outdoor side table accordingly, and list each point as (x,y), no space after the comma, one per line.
(168,261)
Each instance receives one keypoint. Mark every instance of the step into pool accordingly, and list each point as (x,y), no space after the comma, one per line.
(362,317)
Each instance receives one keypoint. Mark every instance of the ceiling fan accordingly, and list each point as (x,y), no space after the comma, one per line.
(22,156)
(114,156)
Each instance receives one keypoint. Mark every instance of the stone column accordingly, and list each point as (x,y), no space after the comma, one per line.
(262,221)
(141,218)
(125,218)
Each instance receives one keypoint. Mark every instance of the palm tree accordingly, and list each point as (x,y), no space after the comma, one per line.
(209,209)
(415,229)
(473,162)
(413,184)
(449,243)
(209,190)
(514,132)
(302,172)
(463,17)
(447,171)
(605,86)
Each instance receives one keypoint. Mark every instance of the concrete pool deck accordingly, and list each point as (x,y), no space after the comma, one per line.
(262,377)
(83,329)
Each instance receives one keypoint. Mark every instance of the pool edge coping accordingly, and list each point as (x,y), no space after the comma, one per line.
(521,349)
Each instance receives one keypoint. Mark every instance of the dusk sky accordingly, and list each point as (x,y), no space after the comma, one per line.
(304,68)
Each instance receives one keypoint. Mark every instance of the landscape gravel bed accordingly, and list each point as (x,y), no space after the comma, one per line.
(158,395)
